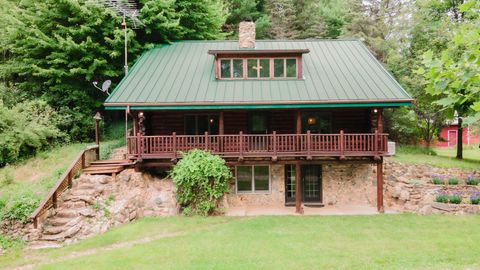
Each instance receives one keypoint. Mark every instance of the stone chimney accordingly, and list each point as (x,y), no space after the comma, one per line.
(246,34)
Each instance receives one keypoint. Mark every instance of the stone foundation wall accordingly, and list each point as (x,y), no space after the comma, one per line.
(345,184)
(408,188)
(275,197)
(342,184)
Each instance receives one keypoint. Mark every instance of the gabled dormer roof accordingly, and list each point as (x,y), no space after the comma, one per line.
(336,73)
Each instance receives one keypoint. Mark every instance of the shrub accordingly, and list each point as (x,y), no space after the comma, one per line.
(475,198)
(25,129)
(19,206)
(438,179)
(442,198)
(471,181)
(7,178)
(9,242)
(201,179)
(453,181)
(455,199)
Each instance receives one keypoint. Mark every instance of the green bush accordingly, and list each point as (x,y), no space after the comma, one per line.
(9,242)
(438,181)
(201,179)
(455,199)
(25,129)
(19,206)
(453,181)
(7,178)
(442,198)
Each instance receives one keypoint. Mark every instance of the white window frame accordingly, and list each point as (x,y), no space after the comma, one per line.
(253,180)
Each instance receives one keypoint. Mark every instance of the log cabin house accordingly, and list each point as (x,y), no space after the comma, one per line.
(287,116)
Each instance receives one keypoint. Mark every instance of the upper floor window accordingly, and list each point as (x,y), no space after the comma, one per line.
(259,68)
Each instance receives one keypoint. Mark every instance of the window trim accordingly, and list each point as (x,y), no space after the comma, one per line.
(253,191)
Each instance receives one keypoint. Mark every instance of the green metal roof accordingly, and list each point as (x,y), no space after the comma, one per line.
(336,73)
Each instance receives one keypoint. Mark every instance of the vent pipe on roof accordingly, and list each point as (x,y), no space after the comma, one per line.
(246,34)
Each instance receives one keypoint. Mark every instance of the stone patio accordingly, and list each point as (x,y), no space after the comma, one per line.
(260,210)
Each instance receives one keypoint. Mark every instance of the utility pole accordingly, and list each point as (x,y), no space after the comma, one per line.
(124,24)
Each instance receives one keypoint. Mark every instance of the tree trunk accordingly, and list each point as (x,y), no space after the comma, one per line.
(459,139)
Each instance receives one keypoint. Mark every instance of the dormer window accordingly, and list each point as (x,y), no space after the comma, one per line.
(258,64)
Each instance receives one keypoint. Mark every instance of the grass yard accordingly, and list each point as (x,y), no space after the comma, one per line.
(285,242)
(445,157)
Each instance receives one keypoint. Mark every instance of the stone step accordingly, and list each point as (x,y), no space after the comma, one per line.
(67,213)
(85,186)
(48,230)
(73,204)
(58,221)
(42,244)
(71,231)
(84,192)
(88,199)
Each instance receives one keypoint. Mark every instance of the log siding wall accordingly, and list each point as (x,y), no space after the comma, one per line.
(281,121)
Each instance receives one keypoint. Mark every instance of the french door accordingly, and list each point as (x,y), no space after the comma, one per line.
(311,178)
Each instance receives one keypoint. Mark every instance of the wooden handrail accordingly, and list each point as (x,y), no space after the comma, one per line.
(264,145)
(63,183)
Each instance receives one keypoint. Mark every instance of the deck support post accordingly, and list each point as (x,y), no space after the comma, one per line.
(274,142)
(342,145)
(174,147)
(206,140)
(309,145)
(240,146)
(97,119)
(380,207)
(298,189)
(298,130)
(221,131)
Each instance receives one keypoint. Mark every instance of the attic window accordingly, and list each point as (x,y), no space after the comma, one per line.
(231,68)
(259,68)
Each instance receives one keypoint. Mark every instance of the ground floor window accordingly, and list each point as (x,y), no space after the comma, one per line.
(252,178)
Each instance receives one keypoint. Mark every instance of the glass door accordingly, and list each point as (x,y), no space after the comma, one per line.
(311,183)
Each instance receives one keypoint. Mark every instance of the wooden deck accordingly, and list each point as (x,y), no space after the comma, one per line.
(273,145)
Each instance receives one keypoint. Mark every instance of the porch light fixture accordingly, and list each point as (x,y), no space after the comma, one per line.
(211,120)
(375,110)
(140,114)
(311,120)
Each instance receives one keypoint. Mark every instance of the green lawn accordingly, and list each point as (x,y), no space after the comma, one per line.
(445,157)
(289,242)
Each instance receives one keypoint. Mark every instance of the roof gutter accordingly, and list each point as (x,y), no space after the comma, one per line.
(237,106)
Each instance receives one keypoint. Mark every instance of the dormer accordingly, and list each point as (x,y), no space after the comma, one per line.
(250,63)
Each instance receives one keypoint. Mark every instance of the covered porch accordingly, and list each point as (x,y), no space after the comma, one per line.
(275,134)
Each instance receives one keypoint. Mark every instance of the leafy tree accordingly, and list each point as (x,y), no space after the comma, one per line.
(201,179)
(162,22)
(239,10)
(453,75)
(55,49)
(282,14)
(201,19)
(26,128)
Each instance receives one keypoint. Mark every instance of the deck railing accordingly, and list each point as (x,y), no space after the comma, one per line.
(83,160)
(264,145)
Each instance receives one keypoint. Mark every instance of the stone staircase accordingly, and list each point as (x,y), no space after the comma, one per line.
(96,203)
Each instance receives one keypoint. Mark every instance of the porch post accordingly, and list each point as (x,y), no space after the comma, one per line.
(221,131)
(380,120)
(380,208)
(298,130)
(298,189)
